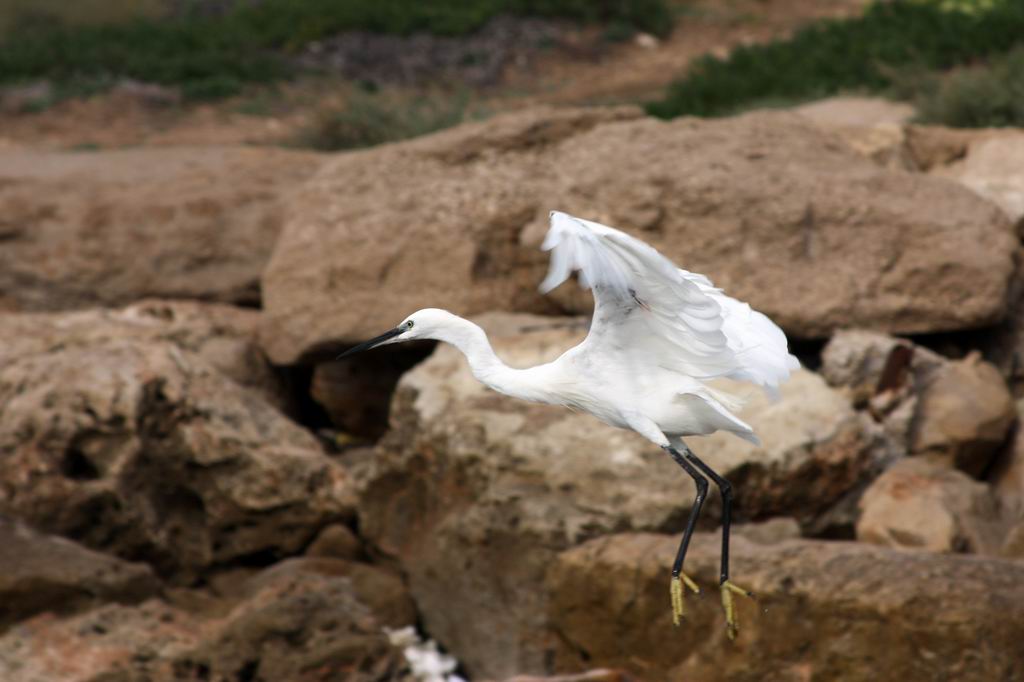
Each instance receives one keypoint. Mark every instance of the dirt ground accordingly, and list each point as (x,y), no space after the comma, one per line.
(582,68)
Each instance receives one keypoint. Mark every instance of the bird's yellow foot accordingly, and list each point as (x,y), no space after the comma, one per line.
(676,590)
(728,589)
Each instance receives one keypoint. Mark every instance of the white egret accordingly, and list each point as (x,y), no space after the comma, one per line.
(659,337)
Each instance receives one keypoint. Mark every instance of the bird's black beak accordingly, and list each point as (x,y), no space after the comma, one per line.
(371,343)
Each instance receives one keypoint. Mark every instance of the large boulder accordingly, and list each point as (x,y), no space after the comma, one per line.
(824,610)
(771,207)
(111,227)
(45,573)
(474,492)
(123,432)
(920,504)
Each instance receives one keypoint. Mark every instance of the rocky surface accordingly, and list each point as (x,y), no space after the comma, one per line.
(137,443)
(956,410)
(832,610)
(44,573)
(921,504)
(474,492)
(850,111)
(295,622)
(81,229)
(1007,474)
(772,208)
(993,166)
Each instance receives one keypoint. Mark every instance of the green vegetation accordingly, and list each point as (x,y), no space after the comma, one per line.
(977,96)
(214,56)
(370,119)
(863,53)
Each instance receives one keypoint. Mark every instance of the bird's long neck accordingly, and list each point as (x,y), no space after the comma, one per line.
(487,367)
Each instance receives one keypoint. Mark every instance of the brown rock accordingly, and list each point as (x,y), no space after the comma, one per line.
(603,675)
(956,410)
(111,227)
(45,573)
(475,492)
(769,532)
(993,166)
(965,413)
(137,444)
(825,610)
(378,588)
(919,504)
(114,642)
(849,112)
(1013,544)
(773,209)
(222,335)
(297,622)
(1007,476)
(336,541)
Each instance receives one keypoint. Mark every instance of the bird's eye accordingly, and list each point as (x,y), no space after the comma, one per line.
(409,324)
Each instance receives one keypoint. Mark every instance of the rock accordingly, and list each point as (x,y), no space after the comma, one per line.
(108,643)
(873,127)
(775,210)
(1013,544)
(222,335)
(825,610)
(919,504)
(474,493)
(993,166)
(770,532)
(336,542)
(603,675)
(295,623)
(380,589)
(851,112)
(111,227)
(134,442)
(957,410)
(866,364)
(1007,475)
(965,413)
(45,573)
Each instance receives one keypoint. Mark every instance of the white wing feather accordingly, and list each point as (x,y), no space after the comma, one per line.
(649,311)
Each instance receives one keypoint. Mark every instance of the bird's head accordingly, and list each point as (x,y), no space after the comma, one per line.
(429,323)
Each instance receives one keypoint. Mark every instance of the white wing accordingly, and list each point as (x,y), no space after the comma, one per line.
(648,311)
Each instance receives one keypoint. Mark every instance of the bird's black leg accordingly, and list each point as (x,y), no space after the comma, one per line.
(728,588)
(691,522)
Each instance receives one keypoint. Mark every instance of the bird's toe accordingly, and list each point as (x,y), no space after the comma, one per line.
(728,590)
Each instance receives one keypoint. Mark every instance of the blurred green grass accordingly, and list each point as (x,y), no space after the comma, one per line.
(860,53)
(978,96)
(213,56)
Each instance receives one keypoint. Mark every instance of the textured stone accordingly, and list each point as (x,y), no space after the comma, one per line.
(964,414)
(46,573)
(956,410)
(993,166)
(301,621)
(775,210)
(111,227)
(135,442)
(920,504)
(825,610)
